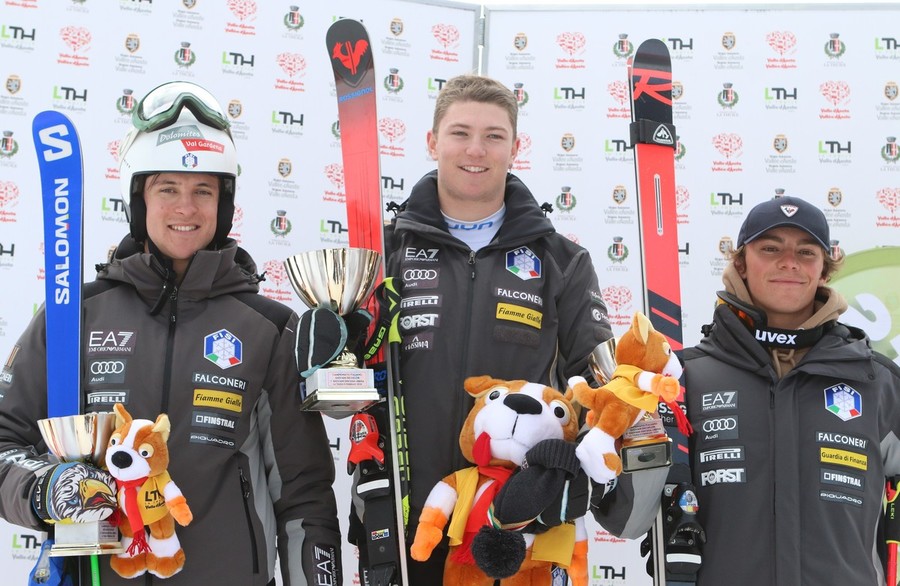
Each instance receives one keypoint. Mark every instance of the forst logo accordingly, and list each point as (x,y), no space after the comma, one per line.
(723,476)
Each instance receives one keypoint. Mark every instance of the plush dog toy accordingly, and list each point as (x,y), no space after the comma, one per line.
(508,420)
(647,371)
(137,457)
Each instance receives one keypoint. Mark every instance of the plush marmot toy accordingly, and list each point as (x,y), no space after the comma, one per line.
(647,372)
(510,423)
(137,457)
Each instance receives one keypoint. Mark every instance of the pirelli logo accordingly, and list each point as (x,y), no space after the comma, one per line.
(522,315)
(844,458)
(218,399)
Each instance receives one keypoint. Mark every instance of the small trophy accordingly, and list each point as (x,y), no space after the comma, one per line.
(340,279)
(82,438)
(645,444)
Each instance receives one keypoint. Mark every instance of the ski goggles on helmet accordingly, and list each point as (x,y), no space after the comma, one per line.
(163,104)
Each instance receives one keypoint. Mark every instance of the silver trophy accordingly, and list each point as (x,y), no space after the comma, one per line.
(82,438)
(645,444)
(340,279)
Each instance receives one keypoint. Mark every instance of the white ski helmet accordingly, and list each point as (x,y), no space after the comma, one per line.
(178,127)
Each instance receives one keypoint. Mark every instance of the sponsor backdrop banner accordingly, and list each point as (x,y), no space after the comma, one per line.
(802,102)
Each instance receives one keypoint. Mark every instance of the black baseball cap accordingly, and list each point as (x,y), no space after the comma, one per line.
(785,211)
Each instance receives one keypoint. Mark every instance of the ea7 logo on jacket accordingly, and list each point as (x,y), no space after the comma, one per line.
(109,342)
(421,254)
(223,349)
(719,400)
(844,401)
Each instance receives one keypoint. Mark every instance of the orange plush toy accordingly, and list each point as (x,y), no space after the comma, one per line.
(509,418)
(647,371)
(137,457)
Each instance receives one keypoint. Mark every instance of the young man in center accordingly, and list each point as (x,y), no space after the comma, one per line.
(489,286)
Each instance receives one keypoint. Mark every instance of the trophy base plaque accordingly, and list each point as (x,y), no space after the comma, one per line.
(645,445)
(96,537)
(340,390)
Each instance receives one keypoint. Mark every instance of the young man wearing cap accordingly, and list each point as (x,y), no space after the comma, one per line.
(174,324)
(796,419)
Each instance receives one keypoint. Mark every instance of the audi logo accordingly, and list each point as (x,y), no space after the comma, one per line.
(108,367)
(722,424)
(419,274)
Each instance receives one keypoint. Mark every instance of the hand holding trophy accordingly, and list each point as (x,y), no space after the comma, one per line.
(77,496)
(339,280)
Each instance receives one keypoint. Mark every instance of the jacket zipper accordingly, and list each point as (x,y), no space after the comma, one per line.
(170,349)
(461,404)
(245,495)
(772,472)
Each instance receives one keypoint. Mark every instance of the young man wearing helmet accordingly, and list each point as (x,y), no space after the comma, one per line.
(178,308)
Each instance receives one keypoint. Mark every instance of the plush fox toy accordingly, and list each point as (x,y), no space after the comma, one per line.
(137,457)
(647,371)
(507,420)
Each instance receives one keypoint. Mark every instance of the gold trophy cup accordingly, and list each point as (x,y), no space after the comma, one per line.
(645,444)
(340,279)
(82,438)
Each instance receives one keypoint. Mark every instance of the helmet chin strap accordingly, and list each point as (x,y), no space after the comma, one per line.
(756,322)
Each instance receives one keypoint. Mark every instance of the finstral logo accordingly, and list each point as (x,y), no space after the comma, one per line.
(178,133)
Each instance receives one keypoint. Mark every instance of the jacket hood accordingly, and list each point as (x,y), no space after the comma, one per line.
(731,342)
(524,218)
(210,273)
(828,305)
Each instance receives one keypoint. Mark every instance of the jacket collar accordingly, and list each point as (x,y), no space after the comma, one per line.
(524,218)
(211,272)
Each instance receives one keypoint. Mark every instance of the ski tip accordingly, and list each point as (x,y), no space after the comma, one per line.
(653,46)
(51,118)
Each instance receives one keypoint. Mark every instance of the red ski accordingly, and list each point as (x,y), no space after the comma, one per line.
(654,140)
(653,137)
(382,478)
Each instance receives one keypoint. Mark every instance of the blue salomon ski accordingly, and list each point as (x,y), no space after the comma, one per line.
(62,185)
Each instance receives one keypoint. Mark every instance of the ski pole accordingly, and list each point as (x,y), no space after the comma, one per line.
(892,527)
